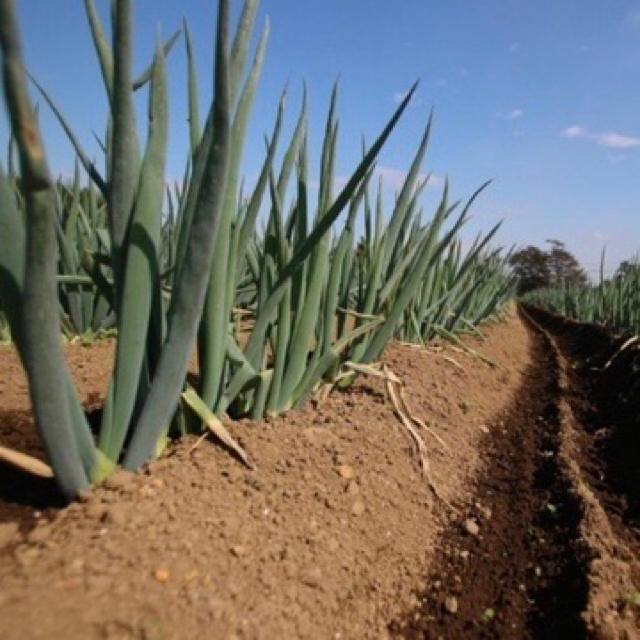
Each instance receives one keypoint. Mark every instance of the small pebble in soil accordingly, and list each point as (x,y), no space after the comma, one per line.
(471,527)
(312,577)
(346,471)
(161,575)
(239,550)
(358,508)
(451,604)
(485,512)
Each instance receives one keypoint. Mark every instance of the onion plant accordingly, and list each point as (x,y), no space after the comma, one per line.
(273,310)
(158,310)
(151,356)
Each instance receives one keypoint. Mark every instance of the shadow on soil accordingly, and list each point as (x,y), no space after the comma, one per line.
(524,574)
(19,488)
(605,398)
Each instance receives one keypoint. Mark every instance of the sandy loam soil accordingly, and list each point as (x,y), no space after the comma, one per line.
(336,533)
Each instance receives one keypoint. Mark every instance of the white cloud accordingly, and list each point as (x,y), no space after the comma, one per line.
(514,114)
(614,140)
(609,139)
(514,47)
(574,131)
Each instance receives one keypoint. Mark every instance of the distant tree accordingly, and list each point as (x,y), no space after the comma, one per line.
(624,270)
(536,268)
(564,269)
(531,268)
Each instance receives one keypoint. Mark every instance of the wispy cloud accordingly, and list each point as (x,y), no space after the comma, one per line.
(514,114)
(514,47)
(614,140)
(574,131)
(609,139)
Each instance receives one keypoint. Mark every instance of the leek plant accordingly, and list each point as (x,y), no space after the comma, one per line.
(274,312)
(151,355)
(346,299)
(461,292)
(296,272)
(162,296)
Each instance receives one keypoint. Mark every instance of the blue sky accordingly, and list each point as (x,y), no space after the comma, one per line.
(542,97)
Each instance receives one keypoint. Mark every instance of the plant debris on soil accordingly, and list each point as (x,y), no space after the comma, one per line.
(336,532)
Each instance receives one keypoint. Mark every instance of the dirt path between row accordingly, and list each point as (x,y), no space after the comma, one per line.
(543,555)
(336,534)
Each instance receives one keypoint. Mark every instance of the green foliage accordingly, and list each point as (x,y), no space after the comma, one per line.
(535,268)
(274,311)
(153,348)
(28,279)
(85,278)
(615,302)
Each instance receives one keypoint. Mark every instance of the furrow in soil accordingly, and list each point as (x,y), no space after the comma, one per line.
(512,565)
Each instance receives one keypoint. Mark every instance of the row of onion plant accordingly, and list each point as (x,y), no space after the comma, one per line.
(156,325)
(273,312)
(612,302)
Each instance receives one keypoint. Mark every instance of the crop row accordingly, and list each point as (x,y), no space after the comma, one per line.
(275,294)
(613,302)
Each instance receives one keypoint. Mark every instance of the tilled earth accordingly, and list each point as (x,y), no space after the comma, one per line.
(336,534)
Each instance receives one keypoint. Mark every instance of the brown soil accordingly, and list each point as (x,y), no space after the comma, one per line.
(336,533)
(522,575)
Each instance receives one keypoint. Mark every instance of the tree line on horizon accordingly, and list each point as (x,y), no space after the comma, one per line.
(537,268)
